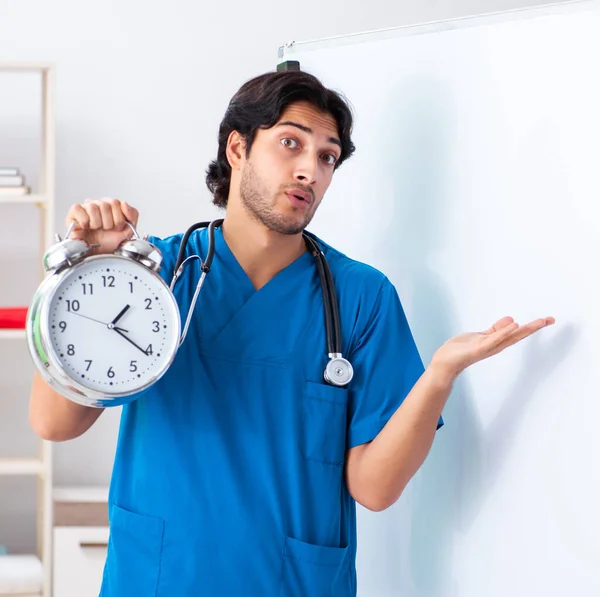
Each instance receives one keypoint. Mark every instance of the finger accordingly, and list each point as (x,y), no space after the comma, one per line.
(502,334)
(131,213)
(117,214)
(532,327)
(106,214)
(499,325)
(78,215)
(524,332)
(93,211)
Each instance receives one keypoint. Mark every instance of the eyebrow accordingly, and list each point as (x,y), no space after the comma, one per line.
(307,129)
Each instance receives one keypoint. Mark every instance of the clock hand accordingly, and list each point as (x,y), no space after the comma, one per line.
(90,318)
(122,312)
(118,330)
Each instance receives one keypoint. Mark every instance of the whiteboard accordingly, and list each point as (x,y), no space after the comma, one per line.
(476,188)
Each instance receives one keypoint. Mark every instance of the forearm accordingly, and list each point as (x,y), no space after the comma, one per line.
(387,464)
(54,417)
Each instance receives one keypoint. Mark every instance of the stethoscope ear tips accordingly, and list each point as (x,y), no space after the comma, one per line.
(339,371)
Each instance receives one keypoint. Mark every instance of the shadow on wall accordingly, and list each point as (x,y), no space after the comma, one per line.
(466,459)
(424,125)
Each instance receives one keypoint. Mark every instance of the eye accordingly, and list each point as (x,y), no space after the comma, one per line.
(289,143)
(330,159)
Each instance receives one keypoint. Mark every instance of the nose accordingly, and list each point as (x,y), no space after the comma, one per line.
(306,168)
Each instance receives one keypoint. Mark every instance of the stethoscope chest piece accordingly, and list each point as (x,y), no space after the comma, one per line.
(339,371)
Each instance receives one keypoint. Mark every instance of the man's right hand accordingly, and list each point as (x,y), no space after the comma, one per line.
(103,222)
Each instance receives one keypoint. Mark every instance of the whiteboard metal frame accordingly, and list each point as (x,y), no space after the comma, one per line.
(288,50)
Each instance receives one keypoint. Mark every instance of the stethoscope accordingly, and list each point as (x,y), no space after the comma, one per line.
(338,371)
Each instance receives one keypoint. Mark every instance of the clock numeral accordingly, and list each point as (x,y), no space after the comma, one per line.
(70,350)
(108,281)
(131,287)
(62,325)
(110,373)
(156,327)
(133,366)
(149,349)
(88,287)
(148,304)
(89,365)
(72,305)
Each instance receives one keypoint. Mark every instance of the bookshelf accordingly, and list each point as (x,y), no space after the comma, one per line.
(30,575)
(40,200)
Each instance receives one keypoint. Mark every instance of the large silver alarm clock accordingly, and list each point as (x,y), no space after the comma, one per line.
(102,328)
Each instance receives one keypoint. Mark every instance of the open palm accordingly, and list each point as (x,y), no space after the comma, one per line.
(464,350)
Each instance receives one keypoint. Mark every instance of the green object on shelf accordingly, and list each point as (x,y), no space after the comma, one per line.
(3,550)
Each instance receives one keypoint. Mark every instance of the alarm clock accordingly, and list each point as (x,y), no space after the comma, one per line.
(102,328)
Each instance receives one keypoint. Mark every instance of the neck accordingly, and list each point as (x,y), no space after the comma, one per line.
(261,252)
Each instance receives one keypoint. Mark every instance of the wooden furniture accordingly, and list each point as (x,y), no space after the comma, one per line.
(28,576)
(80,540)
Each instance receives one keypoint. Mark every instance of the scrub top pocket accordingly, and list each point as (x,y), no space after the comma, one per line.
(134,555)
(314,571)
(323,435)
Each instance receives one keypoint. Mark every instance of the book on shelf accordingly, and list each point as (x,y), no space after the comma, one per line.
(12,181)
(9,171)
(13,318)
(14,191)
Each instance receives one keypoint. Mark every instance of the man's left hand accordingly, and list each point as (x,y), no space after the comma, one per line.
(462,351)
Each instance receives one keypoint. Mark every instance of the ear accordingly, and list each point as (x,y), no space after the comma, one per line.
(236,150)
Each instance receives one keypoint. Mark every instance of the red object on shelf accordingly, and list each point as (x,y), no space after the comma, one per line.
(13,318)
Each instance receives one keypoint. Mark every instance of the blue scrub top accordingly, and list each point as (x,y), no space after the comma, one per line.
(228,477)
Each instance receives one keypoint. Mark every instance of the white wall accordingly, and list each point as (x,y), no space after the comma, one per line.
(140,94)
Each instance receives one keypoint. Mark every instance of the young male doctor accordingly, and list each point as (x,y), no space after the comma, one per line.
(237,474)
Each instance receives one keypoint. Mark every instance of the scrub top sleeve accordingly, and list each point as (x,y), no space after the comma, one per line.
(169,247)
(386,365)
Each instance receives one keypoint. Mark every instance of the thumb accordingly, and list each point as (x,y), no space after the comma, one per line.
(130,213)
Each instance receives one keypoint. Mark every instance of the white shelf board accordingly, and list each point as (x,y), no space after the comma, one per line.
(95,493)
(25,66)
(26,199)
(21,466)
(20,575)
(12,334)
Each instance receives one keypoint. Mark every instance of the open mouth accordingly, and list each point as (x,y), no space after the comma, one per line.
(300,196)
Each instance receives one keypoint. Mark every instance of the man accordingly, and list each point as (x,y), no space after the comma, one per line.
(238,472)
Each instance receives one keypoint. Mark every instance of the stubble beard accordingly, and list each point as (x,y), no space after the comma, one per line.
(255,199)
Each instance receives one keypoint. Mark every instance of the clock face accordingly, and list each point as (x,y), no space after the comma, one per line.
(113,325)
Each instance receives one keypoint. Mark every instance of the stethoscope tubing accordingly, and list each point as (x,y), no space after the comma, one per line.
(330,303)
(332,323)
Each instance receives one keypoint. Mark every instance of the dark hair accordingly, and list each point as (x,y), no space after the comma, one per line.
(259,103)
